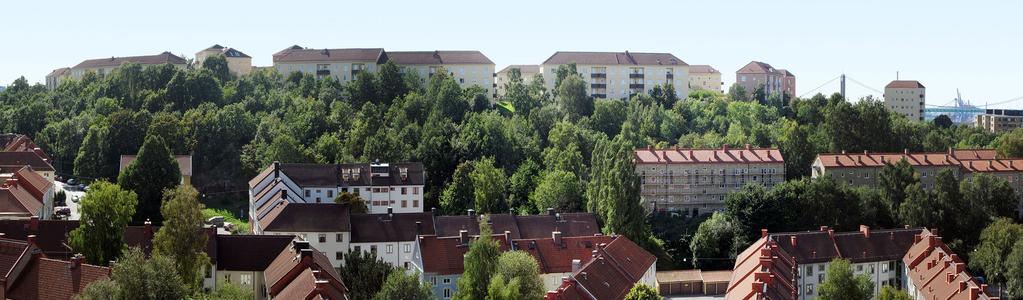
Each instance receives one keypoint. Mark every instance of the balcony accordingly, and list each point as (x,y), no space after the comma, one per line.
(599,96)
(598,75)
(636,75)
(598,85)
(322,72)
(636,85)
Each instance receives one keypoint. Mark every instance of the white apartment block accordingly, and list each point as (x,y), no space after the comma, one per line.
(695,181)
(616,75)
(704,77)
(103,66)
(341,64)
(237,62)
(906,97)
(503,77)
(468,68)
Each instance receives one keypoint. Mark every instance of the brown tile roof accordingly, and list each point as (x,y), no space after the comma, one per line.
(938,273)
(557,258)
(522,227)
(36,184)
(14,255)
(46,278)
(51,235)
(17,200)
(869,159)
(308,217)
(445,255)
(524,69)
(722,155)
(162,58)
(25,158)
(184,163)
(786,73)
(702,69)
(716,276)
(904,84)
(826,245)
(756,67)
(615,269)
(438,57)
(614,58)
(249,252)
(299,54)
(374,228)
(694,275)
(296,260)
(58,72)
(763,270)
(993,166)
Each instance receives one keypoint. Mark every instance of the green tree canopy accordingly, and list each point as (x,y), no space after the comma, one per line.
(642,292)
(480,265)
(364,274)
(181,237)
(153,171)
(891,293)
(489,186)
(841,284)
(402,285)
(560,190)
(105,211)
(522,268)
(717,241)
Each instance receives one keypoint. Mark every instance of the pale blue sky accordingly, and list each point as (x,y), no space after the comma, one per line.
(971,45)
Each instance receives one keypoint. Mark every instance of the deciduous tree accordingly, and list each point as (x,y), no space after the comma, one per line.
(841,284)
(181,238)
(153,171)
(105,211)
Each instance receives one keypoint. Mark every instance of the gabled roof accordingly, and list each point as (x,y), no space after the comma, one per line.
(702,69)
(299,54)
(249,252)
(438,57)
(294,261)
(720,155)
(904,84)
(184,163)
(522,227)
(993,166)
(399,227)
(445,255)
(523,69)
(553,257)
(756,67)
(938,273)
(856,246)
(58,72)
(25,158)
(953,157)
(762,271)
(36,184)
(162,58)
(610,274)
(45,278)
(308,217)
(614,58)
(17,200)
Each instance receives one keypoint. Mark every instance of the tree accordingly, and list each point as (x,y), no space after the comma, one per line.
(458,196)
(1010,144)
(522,183)
(103,289)
(356,204)
(753,207)
(402,285)
(613,191)
(153,171)
(919,209)
(893,180)
(991,194)
(181,238)
(560,190)
(841,284)
(943,121)
(217,65)
(716,241)
(392,84)
(229,291)
(89,162)
(737,92)
(480,265)
(141,278)
(105,211)
(364,274)
(642,292)
(1014,270)
(891,293)
(521,267)
(502,288)
(572,98)
(997,242)
(489,186)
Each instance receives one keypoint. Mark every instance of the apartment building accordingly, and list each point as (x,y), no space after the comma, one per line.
(613,270)
(238,63)
(905,97)
(793,265)
(341,64)
(615,75)
(695,181)
(704,77)
(440,261)
(468,68)
(933,271)
(103,66)
(390,236)
(756,74)
(56,77)
(326,226)
(503,77)
(1000,120)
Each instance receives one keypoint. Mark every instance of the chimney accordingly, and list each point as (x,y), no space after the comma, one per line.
(390,212)
(949,277)
(763,233)
(419,228)
(463,237)
(306,256)
(33,224)
(974,293)
(905,151)
(557,237)
(824,228)
(507,237)
(931,241)
(557,217)
(831,233)
(433,210)
(147,230)
(550,211)
(471,212)
(950,151)
(749,148)
(962,286)
(31,239)
(724,148)
(511,211)
(576,265)
(792,240)
(76,271)
(843,152)
(865,230)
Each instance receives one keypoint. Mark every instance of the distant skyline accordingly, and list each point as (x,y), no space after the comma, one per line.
(973,46)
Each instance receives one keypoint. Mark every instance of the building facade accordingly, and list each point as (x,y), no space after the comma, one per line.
(906,97)
(933,271)
(238,63)
(756,74)
(618,75)
(503,77)
(468,68)
(704,77)
(1000,120)
(103,66)
(341,64)
(695,181)
(55,78)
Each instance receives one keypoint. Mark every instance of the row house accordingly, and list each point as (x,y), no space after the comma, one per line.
(383,186)
(610,272)
(793,265)
(906,97)
(619,75)
(36,159)
(704,77)
(503,77)
(238,63)
(440,261)
(756,74)
(695,181)
(326,227)
(933,271)
(520,226)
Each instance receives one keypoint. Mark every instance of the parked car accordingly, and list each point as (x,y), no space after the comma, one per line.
(72,181)
(62,210)
(74,199)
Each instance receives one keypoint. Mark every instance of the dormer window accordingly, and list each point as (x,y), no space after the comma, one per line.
(356,172)
(404,173)
(345,174)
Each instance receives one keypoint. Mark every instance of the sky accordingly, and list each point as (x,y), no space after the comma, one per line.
(972,46)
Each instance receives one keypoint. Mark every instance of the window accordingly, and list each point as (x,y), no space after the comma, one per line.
(809,270)
(307,193)
(404,203)
(447,292)
(871,269)
(433,280)
(322,238)
(390,249)
(330,193)
(859,268)
(809,289)
(340,237)
(246,279)
(447,280)
(373,249)
(227,278)
(408,248)
(415,203)
(415,190)
(358,248)
(339,255)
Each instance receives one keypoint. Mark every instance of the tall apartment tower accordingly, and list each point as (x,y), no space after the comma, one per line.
(905,97)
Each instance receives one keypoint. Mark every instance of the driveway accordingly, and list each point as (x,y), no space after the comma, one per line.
(71,195)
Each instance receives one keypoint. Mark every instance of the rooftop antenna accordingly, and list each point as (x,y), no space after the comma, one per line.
(896,75)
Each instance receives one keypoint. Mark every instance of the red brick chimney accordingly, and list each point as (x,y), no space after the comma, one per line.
(824,228)
(763,232)
(33,224)
(31,239)
(865,230)
(792,240)
(556,235)
(76,272)
(974,293)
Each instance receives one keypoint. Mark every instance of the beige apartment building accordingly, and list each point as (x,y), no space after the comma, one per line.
(237,62)
(468,68)
(1000,120)
(613,75)
(755,74)
(704,77)
(695,181)
(341,64)
(905,97)
(503,77)
(103,66)
(58,76)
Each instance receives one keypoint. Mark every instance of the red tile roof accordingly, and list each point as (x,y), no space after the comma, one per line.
(938,273)
(993,166)
(756,67)
(557,258)
(296,260)
(16,199)
(438,57)
(825,245)
(614,58)
(904,84)
(299,54)
(13,142)
(25,158)
(36,184)
(46,278)
(610,275)
(162,58)
(722,155)
(522,227)
(763,270)
(869,159)
(445,255)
